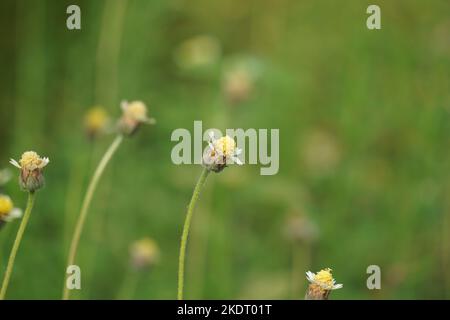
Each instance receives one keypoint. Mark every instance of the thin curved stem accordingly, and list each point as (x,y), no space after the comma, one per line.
(85,207)
(15,248)
(187,223)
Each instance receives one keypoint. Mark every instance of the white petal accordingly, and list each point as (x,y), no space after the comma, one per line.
(14,214)
(237,161)
(123,105)
(15,163)
(310,276)
(337,286)
(211,135)
(150,120)
(238,151)
(45,162)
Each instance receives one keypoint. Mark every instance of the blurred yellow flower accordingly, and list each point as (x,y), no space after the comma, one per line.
(144,253)
(7,210)
(220,153)
(133,115)
(96,121)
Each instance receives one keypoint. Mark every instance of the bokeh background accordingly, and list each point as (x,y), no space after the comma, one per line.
(364,145)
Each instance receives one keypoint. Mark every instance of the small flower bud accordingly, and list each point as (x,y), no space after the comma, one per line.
(144,253)
(220,153)
(133,115)
(31,166)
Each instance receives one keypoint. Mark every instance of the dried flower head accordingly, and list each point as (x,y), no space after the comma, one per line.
(7,210)
(5,176)
(31,166)
(321,284)
(220,153)
(144,253)
(96,121)
(133,115)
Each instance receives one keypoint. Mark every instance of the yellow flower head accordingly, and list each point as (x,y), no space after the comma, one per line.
(136,110)
(31,166)
(6,205)
(324,276)
(7,210)
(96,120)
(31,161)
(133,114)
(220,153)
(324,279)
(225,146)
(144,253)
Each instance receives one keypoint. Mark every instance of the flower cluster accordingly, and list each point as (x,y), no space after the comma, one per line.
(321,284)
(31,166)
(220,153)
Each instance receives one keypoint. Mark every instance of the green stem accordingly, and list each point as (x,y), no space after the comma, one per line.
(20,232)
(201,181)
(85,207)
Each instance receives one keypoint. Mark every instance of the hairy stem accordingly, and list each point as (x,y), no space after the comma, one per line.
(201,181)
(15,248)
(85,206)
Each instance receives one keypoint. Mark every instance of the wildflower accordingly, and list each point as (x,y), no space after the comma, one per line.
(5,176)
(198,51)
(133,115)
(7,210)
(144,253)
(220,153)
(96,121)
(31,166)
(321,284)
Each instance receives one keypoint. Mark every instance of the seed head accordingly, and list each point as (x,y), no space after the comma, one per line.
(31,166)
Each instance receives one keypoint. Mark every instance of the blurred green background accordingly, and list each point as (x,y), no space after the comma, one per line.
(364,145)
